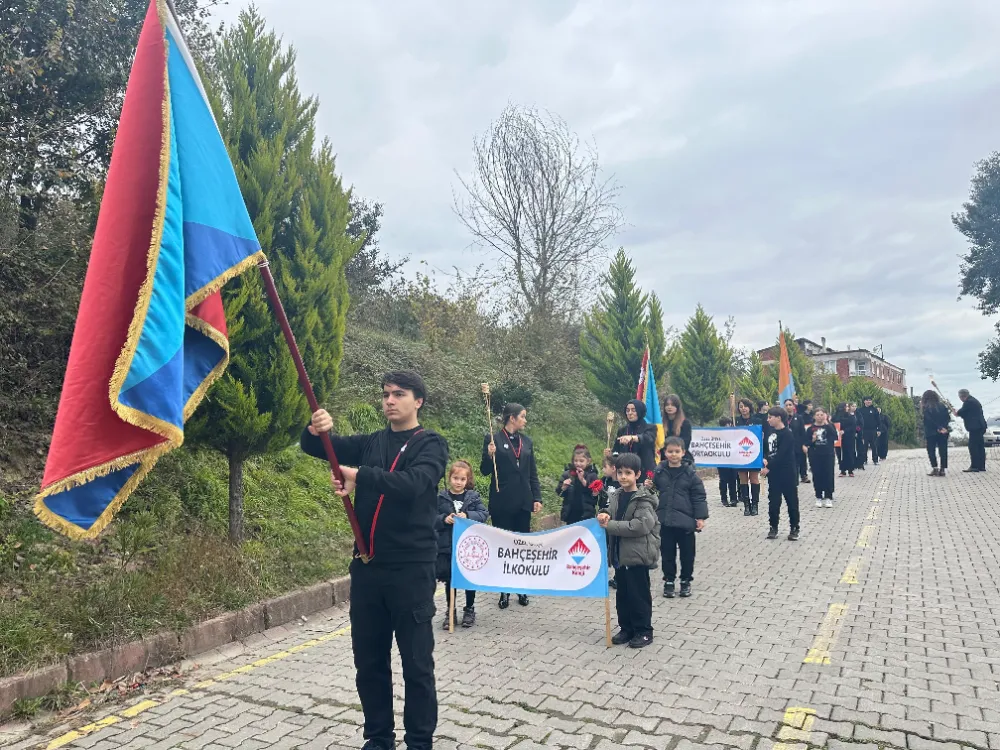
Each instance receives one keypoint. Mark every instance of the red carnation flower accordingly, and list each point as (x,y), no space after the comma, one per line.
(649,475)
(596,486)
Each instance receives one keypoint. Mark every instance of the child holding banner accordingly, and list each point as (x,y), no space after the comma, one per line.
(749,480)
(578,487)
(682,510)
(458,500)
(728,478)
(633,549)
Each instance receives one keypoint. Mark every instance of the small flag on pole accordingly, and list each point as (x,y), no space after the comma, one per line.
(150,334)
(786,383)
(646,392)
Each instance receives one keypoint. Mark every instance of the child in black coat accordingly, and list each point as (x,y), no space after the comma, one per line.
(458,500)
(682,510)
(578,488)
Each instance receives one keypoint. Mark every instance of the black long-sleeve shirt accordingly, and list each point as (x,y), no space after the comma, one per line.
(782,461)
(971,413)
(404,497)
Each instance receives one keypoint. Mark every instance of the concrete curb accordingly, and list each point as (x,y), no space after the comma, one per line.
(160,649)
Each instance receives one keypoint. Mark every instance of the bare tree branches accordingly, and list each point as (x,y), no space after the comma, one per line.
(537,199)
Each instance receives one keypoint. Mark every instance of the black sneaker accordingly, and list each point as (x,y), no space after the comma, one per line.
(522,599)
(641,641)
(773,533)
(621,638)
(377,745)
(685,589)
(468,617)
(612,584)
(447,623)
(793,535)
(504,601)
(668,589)
(843,474)
(806,480)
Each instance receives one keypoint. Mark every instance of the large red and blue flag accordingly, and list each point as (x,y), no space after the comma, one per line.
(786,383)
(150,334)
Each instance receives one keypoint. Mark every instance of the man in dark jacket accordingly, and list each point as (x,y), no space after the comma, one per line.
(638,437)
(682,510)
(395,485)
(871,429)
(796,424)
(883,441)
(975,424)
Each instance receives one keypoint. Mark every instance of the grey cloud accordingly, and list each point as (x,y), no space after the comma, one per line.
(779,160)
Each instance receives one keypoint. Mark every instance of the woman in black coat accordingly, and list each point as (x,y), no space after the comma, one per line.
(520,493)
(848,429)
(937,425)
(675,424)
(883,440)
(637,437)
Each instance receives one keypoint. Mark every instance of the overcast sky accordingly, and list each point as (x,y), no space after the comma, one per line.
(778,159)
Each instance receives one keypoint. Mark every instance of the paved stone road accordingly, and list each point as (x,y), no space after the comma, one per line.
(880,627)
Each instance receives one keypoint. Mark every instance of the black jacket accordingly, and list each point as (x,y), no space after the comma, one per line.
(645,448)
(798,428)
(517,471)
(871,420)
(848,425)
(471,504)
(820,440)
(685,435)
(935,418)
(404,532)
(971,413)
(578,500)
(780,454)
(682,498)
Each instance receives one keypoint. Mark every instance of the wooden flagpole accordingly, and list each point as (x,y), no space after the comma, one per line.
(610,426)
(607,619)
(489,428)
(331,457)
(451,611)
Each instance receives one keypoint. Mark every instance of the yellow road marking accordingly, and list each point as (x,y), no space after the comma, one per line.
(138,708)
(872,514)
(865,536)
(827,635)
(851,571)
(145,705)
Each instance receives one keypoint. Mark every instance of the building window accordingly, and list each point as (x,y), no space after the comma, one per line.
(862,367)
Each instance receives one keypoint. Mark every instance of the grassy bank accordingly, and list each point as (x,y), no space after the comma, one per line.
(166,561)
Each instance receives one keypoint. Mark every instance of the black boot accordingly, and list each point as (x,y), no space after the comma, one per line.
(522,599)
(504,601)
(745,496)
(754,498)
(468,617)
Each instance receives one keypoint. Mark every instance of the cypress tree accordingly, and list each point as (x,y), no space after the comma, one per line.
(300,214)
(659,352)
(701,375)
(759,383)
(613,339)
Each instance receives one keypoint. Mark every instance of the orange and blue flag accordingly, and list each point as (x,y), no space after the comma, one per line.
(646,392)
(786,383)
(151,332)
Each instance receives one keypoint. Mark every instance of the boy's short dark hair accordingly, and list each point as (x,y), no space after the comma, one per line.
(777,411)
(673,440)
(408,380)
(761,404)
(629,461)
(725,422)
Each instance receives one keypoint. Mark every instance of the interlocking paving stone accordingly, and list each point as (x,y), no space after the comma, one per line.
(915,663)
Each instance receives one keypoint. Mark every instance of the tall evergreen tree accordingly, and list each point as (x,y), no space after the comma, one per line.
(300,214)
(660,352)
(759,383)
(701,374)
(613,339)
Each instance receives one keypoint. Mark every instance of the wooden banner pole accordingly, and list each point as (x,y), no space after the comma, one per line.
(451,611)
(607,619)
(489,427)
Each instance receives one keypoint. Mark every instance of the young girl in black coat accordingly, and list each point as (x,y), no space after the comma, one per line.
(820,438)
(579,488)
(749,480)
(458,500)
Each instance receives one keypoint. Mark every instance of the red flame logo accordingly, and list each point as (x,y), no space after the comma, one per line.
(579,549)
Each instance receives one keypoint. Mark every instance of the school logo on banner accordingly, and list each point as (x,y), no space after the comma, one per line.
(728,447)
(569,561)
